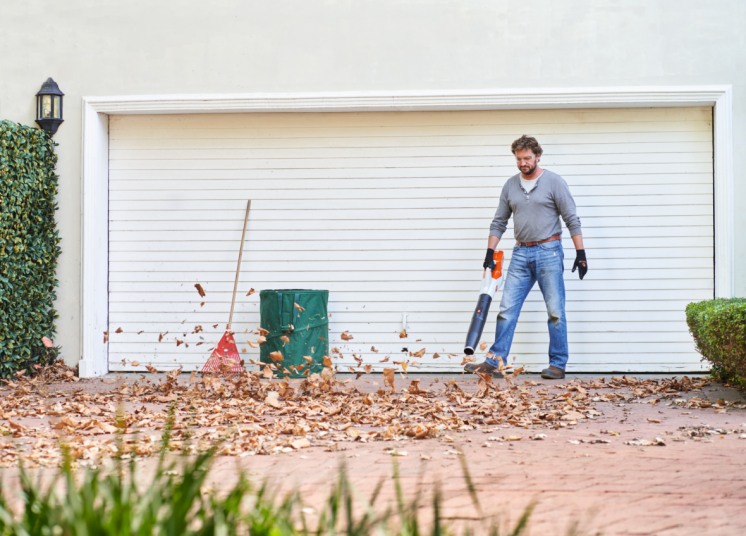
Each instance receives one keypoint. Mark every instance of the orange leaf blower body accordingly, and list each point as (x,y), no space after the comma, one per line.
(491,282)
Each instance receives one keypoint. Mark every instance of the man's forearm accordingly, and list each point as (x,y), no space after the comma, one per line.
(492,242)
(577,240)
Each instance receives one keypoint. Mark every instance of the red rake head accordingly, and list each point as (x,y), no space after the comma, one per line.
(224,358)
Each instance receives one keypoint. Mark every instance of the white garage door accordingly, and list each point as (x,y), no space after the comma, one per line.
(390,212)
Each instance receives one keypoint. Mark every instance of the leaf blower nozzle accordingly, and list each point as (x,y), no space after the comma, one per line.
(491,282)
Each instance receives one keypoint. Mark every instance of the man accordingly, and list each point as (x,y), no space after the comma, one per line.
(536,198)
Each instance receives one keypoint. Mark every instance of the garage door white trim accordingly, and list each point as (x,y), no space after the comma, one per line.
(95,166)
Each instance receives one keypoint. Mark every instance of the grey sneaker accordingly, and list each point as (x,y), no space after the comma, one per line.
(483,367)
(553,373)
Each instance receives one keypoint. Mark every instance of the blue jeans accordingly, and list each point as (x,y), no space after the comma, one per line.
(542,263)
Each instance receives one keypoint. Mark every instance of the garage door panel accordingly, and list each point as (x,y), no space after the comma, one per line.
(169,272)
(472,260)
(555,152)
(459,303)
(411,130)
(461,312)
(600,140)
(123,250)
(455,200)
(226,284)
(226,229)
(451,218)
(167,264)
(179,239)
(391,192)
(426,186)
(517,118)
(167,210)
(193,315)
(500,161)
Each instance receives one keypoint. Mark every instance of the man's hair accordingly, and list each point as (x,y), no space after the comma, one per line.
(526,142)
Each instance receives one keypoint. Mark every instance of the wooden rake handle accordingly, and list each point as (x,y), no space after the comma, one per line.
(238,268)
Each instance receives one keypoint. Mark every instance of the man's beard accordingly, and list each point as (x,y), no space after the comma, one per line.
(530,170)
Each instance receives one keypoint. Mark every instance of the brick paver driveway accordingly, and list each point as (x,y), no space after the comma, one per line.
(582,474)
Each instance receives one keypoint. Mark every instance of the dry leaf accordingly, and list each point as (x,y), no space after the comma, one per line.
(250,292)
(388,378)
(252,344)
(419,353)
(272,399)
(483,346)
(384,360)
(276,356)
(468,359)
(368,368)
(308,358)
(46,341)
(135,363)
(263,331)
(327,361)
(261,340)
(373,349)
(119,330)
(301,309)
(435,355)
(403,334)
(106,337)
(285,339)
(346,336)
(200,290)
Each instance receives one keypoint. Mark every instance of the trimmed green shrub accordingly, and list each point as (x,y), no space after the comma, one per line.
(719,330)
(29,246)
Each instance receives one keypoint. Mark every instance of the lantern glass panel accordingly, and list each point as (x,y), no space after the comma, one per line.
(57,107)
(46,106)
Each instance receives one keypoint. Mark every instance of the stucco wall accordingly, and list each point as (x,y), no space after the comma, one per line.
(230,46)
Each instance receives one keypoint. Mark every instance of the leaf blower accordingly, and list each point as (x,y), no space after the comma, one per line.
(491,282)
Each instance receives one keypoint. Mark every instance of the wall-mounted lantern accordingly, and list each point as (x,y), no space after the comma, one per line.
(49,106)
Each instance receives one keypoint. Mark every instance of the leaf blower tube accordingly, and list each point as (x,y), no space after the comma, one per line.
(491,282)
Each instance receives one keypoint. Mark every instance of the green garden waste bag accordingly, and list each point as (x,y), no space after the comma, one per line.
(301,316)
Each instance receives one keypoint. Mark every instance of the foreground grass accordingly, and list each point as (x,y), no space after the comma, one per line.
(102,502)
(176,502)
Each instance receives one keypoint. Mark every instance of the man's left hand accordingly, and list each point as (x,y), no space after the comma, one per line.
(581,264)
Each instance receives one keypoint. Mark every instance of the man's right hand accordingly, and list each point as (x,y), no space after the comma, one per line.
(489,260)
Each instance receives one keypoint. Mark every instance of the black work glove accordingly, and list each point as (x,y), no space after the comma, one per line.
(489,260)
(580,263)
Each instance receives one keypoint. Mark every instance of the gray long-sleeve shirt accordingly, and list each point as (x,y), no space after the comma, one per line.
(536,214)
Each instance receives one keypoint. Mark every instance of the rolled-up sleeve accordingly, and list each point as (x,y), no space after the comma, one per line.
(566,205)
(502,215)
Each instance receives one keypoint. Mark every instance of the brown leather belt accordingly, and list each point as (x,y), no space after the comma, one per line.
(552,239)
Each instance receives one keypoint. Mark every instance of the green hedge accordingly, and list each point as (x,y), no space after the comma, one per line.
(719,330)
(29,246)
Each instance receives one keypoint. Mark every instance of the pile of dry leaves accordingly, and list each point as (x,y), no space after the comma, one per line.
(57,372)
(252,415)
